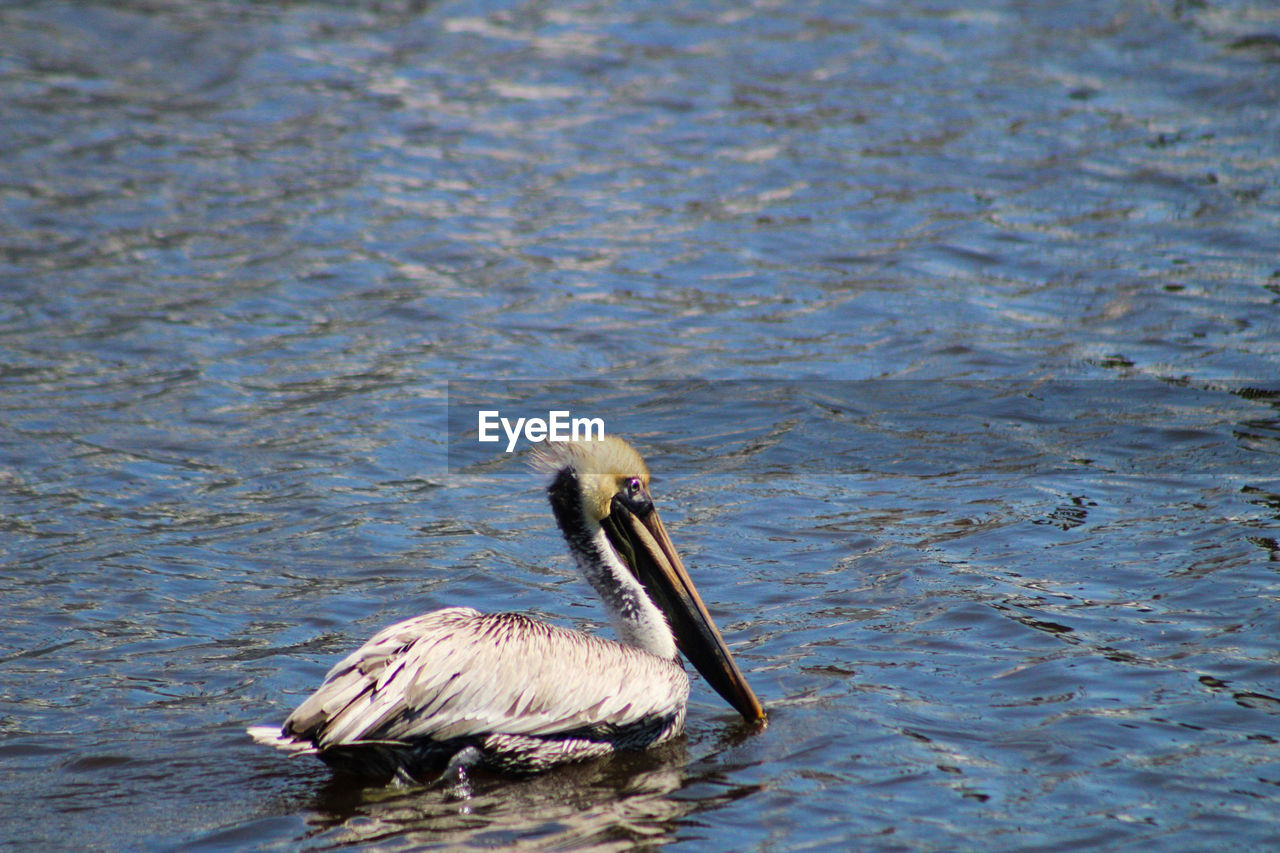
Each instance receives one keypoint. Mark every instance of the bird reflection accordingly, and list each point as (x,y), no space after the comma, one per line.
(616,802)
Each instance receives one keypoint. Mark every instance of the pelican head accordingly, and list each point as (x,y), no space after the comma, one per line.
(600,495)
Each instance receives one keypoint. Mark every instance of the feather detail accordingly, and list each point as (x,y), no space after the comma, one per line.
(458,674)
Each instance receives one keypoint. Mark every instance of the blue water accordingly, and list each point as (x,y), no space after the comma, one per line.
(951,333)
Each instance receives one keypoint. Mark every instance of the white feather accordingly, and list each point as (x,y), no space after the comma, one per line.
(456,672)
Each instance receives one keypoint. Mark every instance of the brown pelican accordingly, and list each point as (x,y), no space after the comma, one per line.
(456,689)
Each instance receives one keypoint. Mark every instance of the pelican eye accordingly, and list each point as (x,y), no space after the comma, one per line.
(634,496)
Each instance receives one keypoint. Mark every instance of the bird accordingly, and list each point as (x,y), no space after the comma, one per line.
(458,689)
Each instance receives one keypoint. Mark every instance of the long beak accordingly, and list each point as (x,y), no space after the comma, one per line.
(642,542)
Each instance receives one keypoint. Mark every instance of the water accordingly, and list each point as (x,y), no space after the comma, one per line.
(949,330)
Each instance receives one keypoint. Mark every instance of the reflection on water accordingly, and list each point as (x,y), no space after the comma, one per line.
(603,805)
(256,257)
(617,803)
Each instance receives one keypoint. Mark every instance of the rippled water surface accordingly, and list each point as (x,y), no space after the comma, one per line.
(951,332)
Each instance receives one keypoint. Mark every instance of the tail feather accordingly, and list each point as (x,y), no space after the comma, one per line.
(275,736)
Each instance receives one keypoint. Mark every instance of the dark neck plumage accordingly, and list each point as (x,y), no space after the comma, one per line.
(634,616)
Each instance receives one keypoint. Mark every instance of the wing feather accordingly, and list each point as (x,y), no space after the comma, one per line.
(457,673)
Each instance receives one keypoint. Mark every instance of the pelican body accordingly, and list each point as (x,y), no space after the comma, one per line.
(456,688)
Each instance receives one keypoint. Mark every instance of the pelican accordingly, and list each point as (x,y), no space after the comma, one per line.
(459,689)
